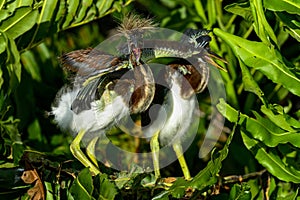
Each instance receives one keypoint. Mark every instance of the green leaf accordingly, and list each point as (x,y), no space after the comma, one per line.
(261,25)
(263,58)
(85,5)
(290,6)
(277,116)
(249,83)
(48,11)
(12,62)
(291,26)
(212,15)
(21,21)
(270,160)
(241,9)
(240,192)
(260,128)
(72,6)
(257,134)
(82,188)
(107,189)
(103,6)
(200,10)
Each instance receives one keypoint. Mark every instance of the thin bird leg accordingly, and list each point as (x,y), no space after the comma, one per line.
(90,151)
(178,150)
(154,145)
(79,155)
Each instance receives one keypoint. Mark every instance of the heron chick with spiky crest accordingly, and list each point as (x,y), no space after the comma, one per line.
(107,88)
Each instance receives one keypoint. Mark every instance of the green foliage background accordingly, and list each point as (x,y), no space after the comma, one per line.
(258,38)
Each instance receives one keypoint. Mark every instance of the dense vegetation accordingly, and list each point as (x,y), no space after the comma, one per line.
(257,155)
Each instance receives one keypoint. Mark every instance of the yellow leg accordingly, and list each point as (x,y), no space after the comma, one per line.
(178,150)
(154,145)
(79,155)
(90,151)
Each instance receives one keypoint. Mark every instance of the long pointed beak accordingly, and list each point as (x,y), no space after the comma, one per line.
(212,62)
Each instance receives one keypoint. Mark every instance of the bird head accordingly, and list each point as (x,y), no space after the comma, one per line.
(134,28)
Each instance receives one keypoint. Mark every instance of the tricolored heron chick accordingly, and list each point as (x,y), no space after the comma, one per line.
(105,89)
(185,77)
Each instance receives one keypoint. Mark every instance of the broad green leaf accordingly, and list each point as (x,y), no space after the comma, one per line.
(21,21)
(240,192)
(284,191)
(270,160)
(72,6)
(105,188)
(261,25)
(4,14)
(290,6)
(263,58)
(21,3)
(103,6)
(212,15)
(277,116)
(271,134)
(260,128)
(48,11)
(82,187)
(85,5)
(241,9)
(1,4)
(253,131)
(249,83)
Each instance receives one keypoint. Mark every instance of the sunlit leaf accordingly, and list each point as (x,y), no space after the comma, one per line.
(83,11)
(276,115)
(261,25)
(240,192)
(200,10)
(264,58)
(106,188)
(260,128)
(241,9)
(250,84)
(82,187)
(23,20)
(271,160)
(257,134)
(71,12)
(290,6)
